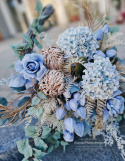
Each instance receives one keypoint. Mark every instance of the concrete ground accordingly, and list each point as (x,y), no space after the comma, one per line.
(8,136)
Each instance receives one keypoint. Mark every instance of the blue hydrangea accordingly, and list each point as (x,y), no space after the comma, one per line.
(100,79)
(79,41)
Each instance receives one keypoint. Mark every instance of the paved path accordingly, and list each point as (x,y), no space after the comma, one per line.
(10,135)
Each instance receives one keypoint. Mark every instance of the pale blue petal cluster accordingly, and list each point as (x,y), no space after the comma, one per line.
(110,53)
(70,124)
(71,127)
(79,129)
(99,33)
(79,41)
(69,137)
(116,104)
(18,81)
(60,113)
(31,66)
(75,104)
(100,79)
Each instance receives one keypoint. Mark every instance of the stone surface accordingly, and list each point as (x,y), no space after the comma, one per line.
(10,135)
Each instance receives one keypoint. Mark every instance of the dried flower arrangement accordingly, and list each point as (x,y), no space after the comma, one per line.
(72,89)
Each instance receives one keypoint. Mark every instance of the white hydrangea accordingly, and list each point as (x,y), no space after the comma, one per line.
(101,79)
(79,41)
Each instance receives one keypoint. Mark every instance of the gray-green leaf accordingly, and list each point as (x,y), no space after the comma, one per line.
(24,148)
(46,131)
(35,101)
(31,131)
(39,7)
(64,144)
(40,144)
(38,153)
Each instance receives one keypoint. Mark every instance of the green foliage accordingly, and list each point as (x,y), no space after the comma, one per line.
(24,148)
(46,131)
(35,101)
(114,29)
(37,43)
(39,7)
(87,128)
(38,153)
(56,135)
(119,118)
(64,144)
(40,144)
(37,111)
(42,95)
(3,101)
(23,101)
(50,149)
(31,131)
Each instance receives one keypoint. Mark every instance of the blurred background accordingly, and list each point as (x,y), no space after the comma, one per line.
(17,15)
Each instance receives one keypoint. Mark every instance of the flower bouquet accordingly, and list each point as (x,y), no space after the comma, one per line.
(72,88)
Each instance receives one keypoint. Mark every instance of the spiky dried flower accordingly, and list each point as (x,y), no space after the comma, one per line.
(54,58)
(52,83)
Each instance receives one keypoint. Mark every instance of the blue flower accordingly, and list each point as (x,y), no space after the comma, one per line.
(106,115)
(18,81)
(60,113)
(79,129)
(81,111)
(100,53)
(73,104)
(70,124)
(99,33)
(115,105)
(106,29)
(31,66)
(68,136)
(66,105)
(110,53)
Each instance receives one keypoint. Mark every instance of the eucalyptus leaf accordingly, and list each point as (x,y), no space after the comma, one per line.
(50,149)
(35,101)
(40,144)
(64,144)
(31,131)
(57,144)
(42,95)
(56,135)
(39,7)
(24,148)
(119,118)
(46,131)
(3,101)
(38,153)
(37,43)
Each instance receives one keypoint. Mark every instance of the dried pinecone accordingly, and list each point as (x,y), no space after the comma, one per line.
(52,84)
(54,58)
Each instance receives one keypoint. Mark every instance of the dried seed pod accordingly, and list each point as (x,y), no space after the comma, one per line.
(54,58)
(52,84)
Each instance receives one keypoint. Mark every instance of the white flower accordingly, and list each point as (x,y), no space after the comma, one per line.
(100,79)
(79,129)
(79,41)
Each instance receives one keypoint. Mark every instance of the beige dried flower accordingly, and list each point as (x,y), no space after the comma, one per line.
(52,84)
(54,58)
